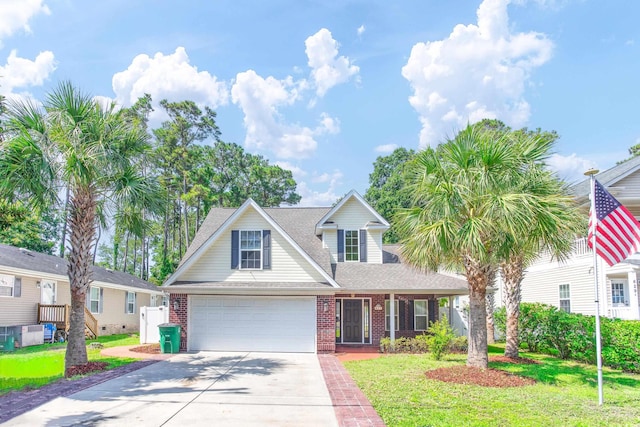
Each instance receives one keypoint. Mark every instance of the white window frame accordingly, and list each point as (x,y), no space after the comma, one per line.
(92,300)
(619,293)
(416,315)
(357,245)
(55,289)
(565,298)
(131,305)
(258,250)
(396,314)
(7,282)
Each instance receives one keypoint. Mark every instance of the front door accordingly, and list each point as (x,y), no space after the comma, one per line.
(352,322)
(48,292)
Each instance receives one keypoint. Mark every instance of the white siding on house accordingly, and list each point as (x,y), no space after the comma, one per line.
(287,264)
(21,310)
(541,285)
(330,241)
(627,188)
(374,246)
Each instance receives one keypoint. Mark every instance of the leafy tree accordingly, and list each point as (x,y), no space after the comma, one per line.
(74,141)
(24,228)
(387,190)
(464,206)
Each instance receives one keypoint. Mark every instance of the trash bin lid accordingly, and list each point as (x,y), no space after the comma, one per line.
(168,325)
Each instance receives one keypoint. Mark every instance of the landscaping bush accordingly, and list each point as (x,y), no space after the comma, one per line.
(459,345)
(621,344)
(439,340)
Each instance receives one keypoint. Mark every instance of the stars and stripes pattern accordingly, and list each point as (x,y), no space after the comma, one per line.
(617,230)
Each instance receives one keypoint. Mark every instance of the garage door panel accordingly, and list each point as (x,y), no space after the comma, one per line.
(252,323)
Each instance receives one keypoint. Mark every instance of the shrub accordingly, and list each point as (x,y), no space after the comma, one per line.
(459,345)
(440,339)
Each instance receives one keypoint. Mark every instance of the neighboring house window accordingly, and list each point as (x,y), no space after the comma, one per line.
(7,285)
(351,245)
(565,297)
(130,305)
(617,293)
(396,316)
(420,314)
(47,292)
(250,249)
(95,299)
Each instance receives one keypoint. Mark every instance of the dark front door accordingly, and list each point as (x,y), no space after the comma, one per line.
(352,322)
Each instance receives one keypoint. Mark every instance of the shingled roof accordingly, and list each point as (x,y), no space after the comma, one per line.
(607,178)
(23,259)
(299,224)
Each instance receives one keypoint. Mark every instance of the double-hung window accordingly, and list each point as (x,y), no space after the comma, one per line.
(617,293)
(130,304)
(565,297)
(6,285)
(420,314)
(250,249)
(351,245)
(94,299)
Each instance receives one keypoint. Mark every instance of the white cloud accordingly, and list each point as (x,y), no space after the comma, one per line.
(15,15)
(361,29)
(571,168)
(311,197)
(386,148)
(327,68)
(21,73)
(261,99)
(296,171)
(171,77)
(479,71)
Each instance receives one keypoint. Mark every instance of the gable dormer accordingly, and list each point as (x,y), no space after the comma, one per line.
(352,231)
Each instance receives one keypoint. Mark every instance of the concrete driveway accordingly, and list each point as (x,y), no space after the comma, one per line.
(201,389)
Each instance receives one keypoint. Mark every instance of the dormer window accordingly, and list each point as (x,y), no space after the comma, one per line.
(352,245)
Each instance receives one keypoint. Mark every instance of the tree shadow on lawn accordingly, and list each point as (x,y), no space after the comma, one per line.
(550,369)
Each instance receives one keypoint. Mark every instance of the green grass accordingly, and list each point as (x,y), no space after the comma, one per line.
(566,394)
(36,366)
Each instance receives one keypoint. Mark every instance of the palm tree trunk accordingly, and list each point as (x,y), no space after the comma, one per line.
(65,219)
(82,235)
(512,274)
(478,276)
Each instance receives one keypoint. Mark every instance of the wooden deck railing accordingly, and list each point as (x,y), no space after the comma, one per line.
(59,314)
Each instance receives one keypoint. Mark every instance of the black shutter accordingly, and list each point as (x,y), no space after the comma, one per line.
(412,322)
(266,249)
(401,318)
(363,245)
(17,287)
(433,311)
(340,245)
(235,249)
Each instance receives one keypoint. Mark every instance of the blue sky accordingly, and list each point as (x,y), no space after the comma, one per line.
(325,87)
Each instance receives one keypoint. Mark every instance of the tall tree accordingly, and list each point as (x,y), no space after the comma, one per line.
(72,140)
(464,204)
(26,228)
(387,190)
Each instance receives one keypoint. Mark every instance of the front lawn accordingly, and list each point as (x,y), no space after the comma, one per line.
(565,394)
(38,365)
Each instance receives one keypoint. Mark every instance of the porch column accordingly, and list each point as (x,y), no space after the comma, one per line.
(450,315)
(392,319)
(634,301)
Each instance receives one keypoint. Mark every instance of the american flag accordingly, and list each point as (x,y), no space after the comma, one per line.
(617,230)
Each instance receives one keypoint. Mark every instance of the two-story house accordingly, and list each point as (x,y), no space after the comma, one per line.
(299,280)
(569,285)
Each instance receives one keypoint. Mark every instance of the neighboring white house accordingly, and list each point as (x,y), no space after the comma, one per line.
(570,284)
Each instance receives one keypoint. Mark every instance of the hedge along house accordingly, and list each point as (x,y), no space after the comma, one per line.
(34,289)
(299,280)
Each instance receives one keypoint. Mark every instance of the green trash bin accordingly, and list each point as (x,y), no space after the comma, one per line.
(169,337)
(9,343)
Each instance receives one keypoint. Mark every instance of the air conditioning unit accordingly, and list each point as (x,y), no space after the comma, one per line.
(31,335)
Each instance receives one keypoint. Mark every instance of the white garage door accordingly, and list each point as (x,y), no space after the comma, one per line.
(277,324)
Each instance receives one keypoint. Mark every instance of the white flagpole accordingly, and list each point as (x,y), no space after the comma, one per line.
(591,173)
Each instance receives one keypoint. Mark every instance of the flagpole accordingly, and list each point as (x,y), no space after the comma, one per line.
(591,173)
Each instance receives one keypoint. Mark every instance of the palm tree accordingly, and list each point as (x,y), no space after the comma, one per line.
(554,224)
(72,141)
(464,204)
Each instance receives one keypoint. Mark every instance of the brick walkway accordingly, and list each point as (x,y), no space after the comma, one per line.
(352,408)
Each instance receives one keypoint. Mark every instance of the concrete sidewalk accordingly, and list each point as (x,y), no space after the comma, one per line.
(206,388)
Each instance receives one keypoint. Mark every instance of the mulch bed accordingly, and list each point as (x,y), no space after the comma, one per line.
(86,368)
(148,349)
(477,376)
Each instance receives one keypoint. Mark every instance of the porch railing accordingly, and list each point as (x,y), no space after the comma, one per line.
(58,314)
(91,323)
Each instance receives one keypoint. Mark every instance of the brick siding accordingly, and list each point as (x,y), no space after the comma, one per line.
(326,324)
(180,316)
